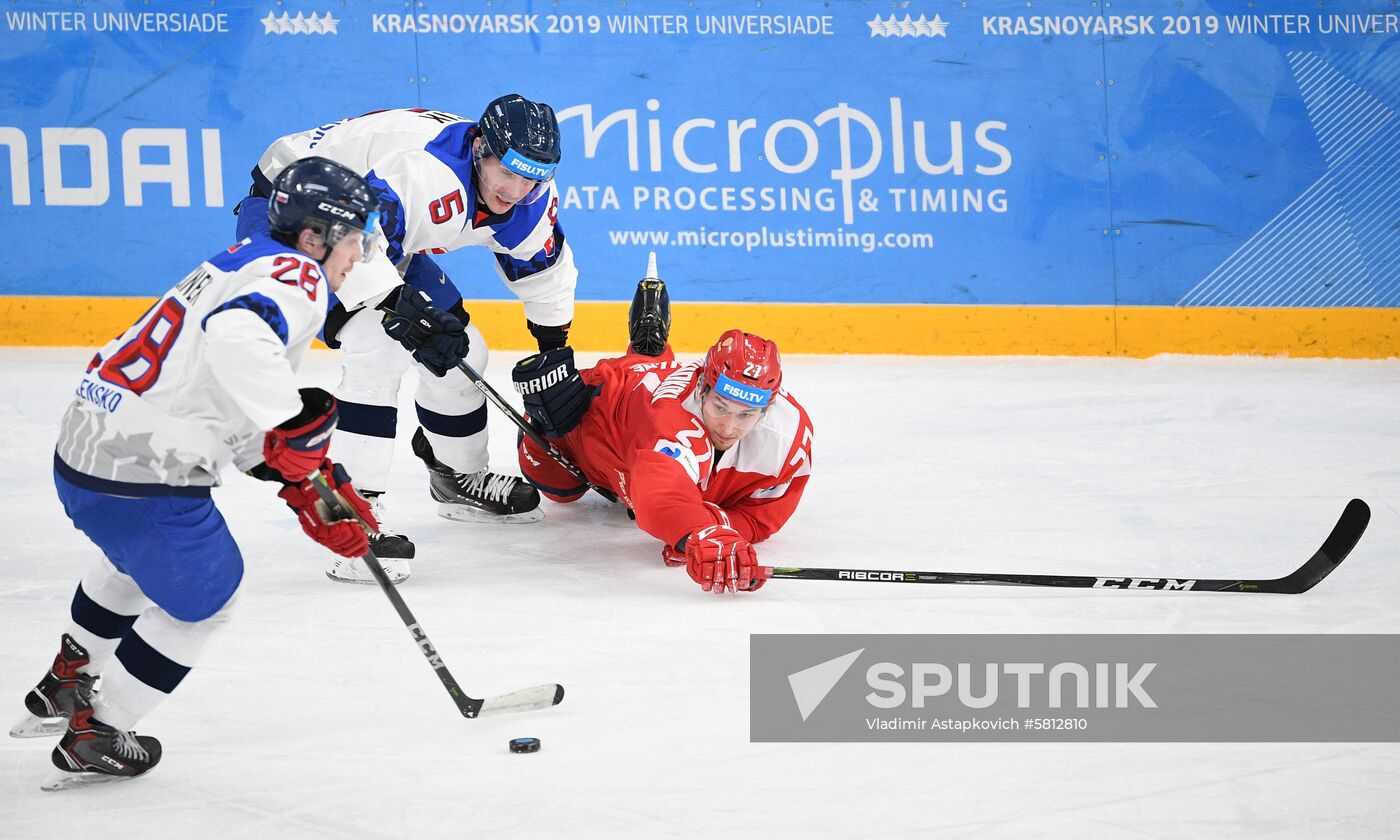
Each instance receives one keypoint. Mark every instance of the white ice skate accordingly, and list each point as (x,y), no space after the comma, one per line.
(354,570)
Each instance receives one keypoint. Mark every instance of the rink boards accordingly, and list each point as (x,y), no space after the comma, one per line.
(855,328)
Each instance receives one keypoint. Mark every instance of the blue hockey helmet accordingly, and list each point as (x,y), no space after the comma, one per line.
(322,195)
(524,137)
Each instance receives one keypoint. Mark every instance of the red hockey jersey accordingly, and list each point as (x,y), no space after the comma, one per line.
(642,438)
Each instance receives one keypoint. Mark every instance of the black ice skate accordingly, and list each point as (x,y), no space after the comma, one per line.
(387,545)
(649,316)
(92,752)
(481,496)
(50,704)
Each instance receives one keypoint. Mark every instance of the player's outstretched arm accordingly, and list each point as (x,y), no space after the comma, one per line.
(757,519)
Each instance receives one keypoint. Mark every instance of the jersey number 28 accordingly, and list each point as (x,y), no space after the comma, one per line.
(136,364)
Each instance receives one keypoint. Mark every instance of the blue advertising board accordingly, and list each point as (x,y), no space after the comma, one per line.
(985,152)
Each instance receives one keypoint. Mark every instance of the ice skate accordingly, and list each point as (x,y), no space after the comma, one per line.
(649,316)
(481,496)
(50,704)
(387,544)
(92,752)
(354,570)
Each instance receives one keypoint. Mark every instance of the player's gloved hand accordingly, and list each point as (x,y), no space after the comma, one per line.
(721,561)
(298,446)
(437,339)
(554,393)
(672,557)
(343,536)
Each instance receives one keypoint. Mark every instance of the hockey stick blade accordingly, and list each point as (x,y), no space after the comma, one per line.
(1339,543)
(524,700)
(1344,537)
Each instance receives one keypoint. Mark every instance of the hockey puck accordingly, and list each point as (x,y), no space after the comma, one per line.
(524,745)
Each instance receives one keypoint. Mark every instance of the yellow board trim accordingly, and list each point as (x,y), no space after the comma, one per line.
(1136,331)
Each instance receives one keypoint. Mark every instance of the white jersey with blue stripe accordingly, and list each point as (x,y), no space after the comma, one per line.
(420,163)
(195,382)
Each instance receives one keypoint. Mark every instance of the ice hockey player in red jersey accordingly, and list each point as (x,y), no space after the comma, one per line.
(710,456)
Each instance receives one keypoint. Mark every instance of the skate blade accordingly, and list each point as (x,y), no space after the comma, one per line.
(366,581)
(32,726)
(462,513)
(68,779)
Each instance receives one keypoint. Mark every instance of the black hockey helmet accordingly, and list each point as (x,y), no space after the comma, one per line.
(523,136)
(320,194)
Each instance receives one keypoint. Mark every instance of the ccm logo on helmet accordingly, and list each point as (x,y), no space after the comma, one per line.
(335,211)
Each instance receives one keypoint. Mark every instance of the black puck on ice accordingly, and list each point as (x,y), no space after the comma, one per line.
(524,745)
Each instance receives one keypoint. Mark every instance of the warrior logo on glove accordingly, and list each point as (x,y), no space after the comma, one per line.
(554,393)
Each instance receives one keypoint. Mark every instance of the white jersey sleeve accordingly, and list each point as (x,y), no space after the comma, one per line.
(201,375)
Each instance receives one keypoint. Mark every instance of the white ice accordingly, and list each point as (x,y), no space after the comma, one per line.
(314,715)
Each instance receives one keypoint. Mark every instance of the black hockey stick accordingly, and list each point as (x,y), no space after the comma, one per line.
(1334,550)
(531,432)
(525,700)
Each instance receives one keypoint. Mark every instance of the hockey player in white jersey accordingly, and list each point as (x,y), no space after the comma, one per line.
(205,378)
(447,183)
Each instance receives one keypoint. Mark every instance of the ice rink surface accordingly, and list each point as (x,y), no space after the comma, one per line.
(313,714)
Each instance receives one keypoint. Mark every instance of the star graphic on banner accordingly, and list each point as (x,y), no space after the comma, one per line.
(329,24)
(270,24)
(299,26)
(893,27)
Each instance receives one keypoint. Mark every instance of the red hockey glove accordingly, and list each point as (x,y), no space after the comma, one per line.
(298,446)
(721,561)
(672,557)
(345,536)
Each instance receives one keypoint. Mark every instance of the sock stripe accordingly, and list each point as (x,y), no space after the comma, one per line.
(381,421)
(149,665)
(447,425)
(97,619)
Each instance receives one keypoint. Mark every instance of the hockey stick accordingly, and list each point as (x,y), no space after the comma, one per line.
(1335,549)
(525,700)
(531,432)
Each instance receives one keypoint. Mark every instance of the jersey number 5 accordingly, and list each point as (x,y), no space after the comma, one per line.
(442,209)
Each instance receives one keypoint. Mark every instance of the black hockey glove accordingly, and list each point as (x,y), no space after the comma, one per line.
(554,393)
(437,339)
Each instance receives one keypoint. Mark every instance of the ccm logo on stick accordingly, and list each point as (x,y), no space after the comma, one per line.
(1143,583)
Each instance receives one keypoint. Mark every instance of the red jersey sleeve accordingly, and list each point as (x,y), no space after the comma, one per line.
(760,486)
(758,519)
(666,465)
